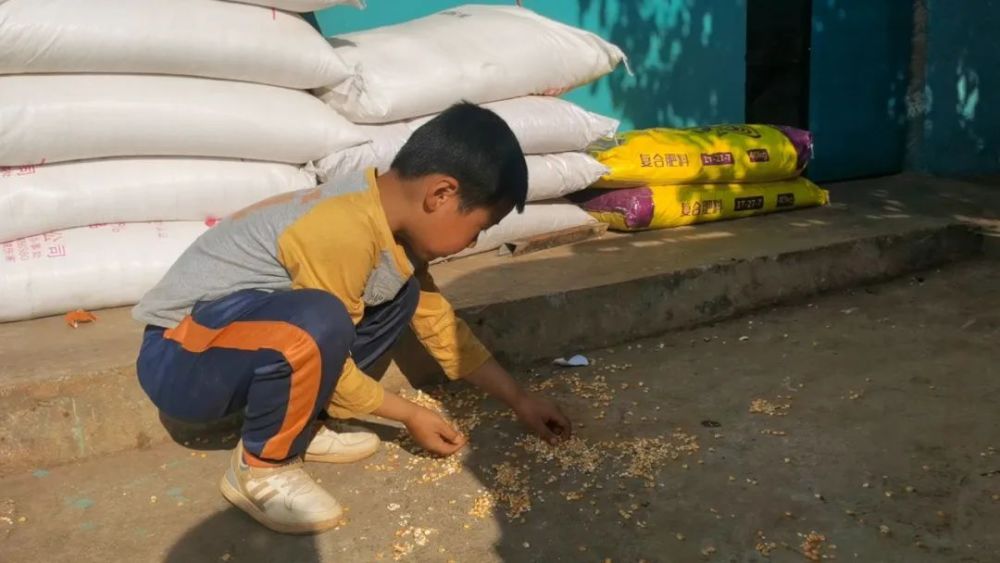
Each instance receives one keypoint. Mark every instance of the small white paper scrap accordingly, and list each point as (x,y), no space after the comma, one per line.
(576,361)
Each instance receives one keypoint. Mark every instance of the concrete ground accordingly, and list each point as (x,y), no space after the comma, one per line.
(861,426)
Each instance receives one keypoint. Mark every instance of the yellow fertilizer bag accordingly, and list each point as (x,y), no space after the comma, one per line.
(704,155)
(661,207)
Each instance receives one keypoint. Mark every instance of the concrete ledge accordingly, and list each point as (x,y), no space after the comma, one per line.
(69,394)
(533,328)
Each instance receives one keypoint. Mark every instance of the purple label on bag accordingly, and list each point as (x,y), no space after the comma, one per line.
(717,159)
(758,155)
(802,140)
(635,205)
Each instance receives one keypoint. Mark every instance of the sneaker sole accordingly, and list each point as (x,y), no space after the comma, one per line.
(342,457)
(241,501)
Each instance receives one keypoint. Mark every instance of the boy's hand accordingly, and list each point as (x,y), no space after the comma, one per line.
(543,417)
(434,433)
(539,414)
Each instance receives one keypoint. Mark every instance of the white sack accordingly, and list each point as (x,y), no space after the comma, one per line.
(552,176)
(549,175)
(182,37)
(88,267)
(39,199)
(545,124)
(384,142)
(476,53)
(304,5)
(542,125)
(60,117)
(537,219)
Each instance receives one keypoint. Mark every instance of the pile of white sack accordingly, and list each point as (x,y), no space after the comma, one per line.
(127,128)
(504,57)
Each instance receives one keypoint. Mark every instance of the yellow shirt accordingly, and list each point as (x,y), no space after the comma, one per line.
(338,245)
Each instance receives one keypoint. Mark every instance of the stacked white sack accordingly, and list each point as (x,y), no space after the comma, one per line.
(88,267)
(173,110)
(115,190)
(62,117)
(206,38)
(475,53)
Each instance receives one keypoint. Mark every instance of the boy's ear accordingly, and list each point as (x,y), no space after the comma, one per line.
(441,189)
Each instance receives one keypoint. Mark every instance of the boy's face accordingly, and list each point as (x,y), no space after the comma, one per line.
(445,228)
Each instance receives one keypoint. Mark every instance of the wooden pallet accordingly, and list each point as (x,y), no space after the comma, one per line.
(550,240)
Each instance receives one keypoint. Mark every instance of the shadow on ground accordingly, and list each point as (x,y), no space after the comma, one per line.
(247,541)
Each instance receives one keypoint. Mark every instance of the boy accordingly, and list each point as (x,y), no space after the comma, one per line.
(277,311)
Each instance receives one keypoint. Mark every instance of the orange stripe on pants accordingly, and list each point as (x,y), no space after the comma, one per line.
(295,344)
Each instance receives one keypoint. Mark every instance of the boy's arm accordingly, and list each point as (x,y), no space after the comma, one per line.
(450,341)
(445,336)
(304,250)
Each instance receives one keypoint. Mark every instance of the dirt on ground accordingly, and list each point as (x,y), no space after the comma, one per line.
(862,426)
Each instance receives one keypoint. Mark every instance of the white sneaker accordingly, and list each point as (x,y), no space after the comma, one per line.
(341,447)
(283,498)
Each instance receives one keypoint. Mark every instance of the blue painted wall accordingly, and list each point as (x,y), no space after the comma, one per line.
(688,55)
(859,73)
(689,62)
(961,110)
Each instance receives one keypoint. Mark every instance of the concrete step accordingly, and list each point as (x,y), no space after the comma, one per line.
(67,395)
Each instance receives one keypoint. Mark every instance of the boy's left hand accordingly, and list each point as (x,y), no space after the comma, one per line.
(543,417)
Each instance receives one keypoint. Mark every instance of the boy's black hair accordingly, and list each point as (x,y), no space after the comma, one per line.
(474,146)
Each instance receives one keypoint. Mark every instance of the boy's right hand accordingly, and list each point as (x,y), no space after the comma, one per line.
(434,433)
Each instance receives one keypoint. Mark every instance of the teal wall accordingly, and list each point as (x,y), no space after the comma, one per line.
(689,62)
(859,72)
(868,56)
(961,107)
(688,55)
